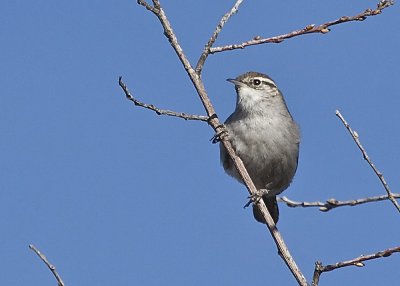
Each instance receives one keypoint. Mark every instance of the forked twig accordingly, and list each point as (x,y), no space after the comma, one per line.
(319,268)
(334,203)
(309,29)
(211,41)
(48,264)
(356,139)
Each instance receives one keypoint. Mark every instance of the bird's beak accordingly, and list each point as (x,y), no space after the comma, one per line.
(235,82)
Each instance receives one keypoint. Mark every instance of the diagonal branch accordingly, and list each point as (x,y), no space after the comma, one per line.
(211,41)
(218,128)
(157,110)
(310,29)
(319,268)
(356,139)
(333,203)
(48,264)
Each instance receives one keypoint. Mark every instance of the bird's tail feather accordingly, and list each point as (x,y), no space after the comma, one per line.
(272,206)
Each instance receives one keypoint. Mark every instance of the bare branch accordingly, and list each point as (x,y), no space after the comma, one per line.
(218,29)
(198,84)
(310,29)
(319,268)
(218,128)
(157,110)
(146,5)
(356,139)
(48,264)
(333,203)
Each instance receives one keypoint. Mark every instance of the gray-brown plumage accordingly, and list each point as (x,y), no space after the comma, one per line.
(265,136)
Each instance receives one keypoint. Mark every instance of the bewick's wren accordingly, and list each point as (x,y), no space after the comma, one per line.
(265,136)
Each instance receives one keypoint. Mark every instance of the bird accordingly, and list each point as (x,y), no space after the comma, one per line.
(265,136)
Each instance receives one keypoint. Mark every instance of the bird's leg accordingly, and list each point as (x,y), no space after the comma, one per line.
(256,197)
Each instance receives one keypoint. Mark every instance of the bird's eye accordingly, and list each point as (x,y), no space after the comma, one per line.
(256,82)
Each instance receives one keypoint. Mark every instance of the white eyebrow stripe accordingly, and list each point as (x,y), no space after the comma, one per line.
(266,80)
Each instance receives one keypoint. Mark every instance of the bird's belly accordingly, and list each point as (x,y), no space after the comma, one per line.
(270,165)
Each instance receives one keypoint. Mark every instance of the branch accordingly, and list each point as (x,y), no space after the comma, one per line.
(146,5)
(333,203)
(319,268)
(310,29)
(219,129)
(356,139)
(48,264)
(211,41)
(157,110)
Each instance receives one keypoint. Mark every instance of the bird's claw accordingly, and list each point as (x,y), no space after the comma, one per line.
(218,136)
(256,197)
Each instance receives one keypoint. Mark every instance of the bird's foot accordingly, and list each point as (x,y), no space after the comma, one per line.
(256,197)
(219,135)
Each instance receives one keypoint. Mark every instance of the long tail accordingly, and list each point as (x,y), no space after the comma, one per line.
(272,206)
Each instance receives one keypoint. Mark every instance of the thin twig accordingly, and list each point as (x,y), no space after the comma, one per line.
(356,139)
(218,128)
(333,203)
(48,264)
(211,41)
(157,110)
(319,268)
(146,5)
(310,29)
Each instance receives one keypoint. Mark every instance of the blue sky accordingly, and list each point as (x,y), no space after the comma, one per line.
(116,195)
